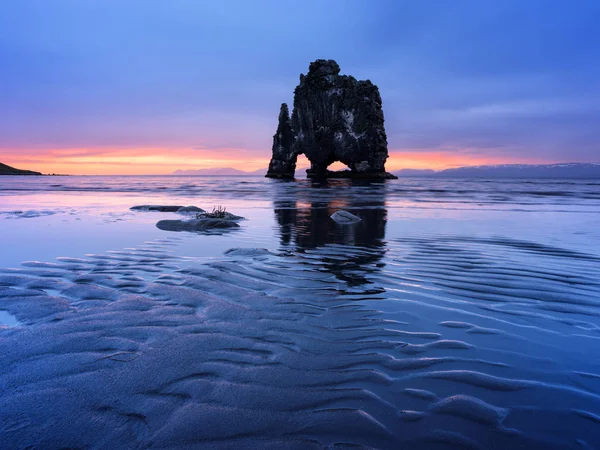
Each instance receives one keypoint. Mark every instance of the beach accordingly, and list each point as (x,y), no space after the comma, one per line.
(456,313)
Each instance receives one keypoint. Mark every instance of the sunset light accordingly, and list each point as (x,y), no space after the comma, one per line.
(164,161)
(299,225)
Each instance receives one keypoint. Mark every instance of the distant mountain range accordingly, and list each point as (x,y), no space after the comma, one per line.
(567,170)
(223,171)
(7,170)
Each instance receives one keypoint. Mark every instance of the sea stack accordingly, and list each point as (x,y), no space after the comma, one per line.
(335,118)
(283,161)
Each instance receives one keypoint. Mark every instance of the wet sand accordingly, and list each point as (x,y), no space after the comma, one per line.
(471,325)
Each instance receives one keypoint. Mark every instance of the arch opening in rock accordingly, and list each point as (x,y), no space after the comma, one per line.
(335,119)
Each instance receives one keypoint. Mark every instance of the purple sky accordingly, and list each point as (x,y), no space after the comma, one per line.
(511,80)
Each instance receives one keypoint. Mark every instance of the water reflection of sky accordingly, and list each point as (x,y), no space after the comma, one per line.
(481,294)
(74,224)
(80,215)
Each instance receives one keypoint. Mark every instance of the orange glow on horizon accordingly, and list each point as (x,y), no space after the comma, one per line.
(162,161)
(448,159)
(153,161)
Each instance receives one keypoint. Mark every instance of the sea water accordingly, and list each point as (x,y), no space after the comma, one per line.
(456,314)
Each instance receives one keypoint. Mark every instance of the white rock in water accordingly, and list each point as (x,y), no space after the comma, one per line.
(345,218)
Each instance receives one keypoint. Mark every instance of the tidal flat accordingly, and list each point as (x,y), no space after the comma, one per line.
(454,314)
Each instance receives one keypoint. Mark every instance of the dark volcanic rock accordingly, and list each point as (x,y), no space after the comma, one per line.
(283,161)
(221,215)
(196,224)
(248,252)
(202,222)
(335,118)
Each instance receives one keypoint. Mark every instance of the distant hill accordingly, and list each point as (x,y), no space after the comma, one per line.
(567,170)
(223,171)
(7,170)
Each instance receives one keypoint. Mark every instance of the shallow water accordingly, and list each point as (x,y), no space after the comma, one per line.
(7,320)
(457,314)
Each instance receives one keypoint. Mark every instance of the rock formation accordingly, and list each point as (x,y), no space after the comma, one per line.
(283,161)
(335,118)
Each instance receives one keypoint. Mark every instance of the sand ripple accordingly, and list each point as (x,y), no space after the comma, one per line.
(451,343)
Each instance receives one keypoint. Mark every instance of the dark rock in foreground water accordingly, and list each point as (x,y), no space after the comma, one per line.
(335,118)
(196,224)
(248,252)
(222,215)
(204,221)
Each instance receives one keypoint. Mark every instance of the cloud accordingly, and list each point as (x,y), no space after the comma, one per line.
(507,79)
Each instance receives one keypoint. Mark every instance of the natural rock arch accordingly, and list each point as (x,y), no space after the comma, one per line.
(335,118)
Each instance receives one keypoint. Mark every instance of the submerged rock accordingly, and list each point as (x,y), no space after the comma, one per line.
(203,221)
(335,118)
(190,209)
(248,252)
(196,224)
(345,218)
(160,208)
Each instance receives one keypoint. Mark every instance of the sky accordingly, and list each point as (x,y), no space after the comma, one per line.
(151,86)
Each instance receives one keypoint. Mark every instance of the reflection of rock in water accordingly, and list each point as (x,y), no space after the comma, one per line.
(303,214)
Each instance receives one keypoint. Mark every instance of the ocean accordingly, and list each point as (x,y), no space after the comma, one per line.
(455,314)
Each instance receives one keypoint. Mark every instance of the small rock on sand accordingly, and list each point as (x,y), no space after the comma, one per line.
(345,218)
